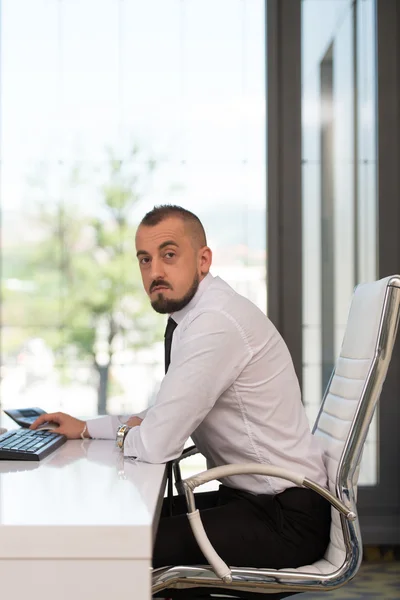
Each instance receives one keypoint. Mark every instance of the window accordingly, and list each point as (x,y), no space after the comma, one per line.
(108,108)
(339,184)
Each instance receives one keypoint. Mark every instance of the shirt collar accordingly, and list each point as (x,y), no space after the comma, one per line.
(179,315)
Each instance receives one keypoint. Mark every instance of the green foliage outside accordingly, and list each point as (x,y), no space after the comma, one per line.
(73,279)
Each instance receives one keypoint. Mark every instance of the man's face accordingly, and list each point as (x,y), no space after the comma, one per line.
(171,264)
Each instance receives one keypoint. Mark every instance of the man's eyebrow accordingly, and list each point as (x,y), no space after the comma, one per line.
(160,247)
(167,243)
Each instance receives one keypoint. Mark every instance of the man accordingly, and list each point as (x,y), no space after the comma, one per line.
(231,386)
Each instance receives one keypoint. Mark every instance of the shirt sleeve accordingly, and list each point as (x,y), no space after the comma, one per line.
(211,353)
(105,428)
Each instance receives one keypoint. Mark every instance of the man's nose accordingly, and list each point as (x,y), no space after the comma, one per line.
(157,269)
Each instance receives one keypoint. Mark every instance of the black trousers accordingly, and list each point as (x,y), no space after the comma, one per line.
(289,529)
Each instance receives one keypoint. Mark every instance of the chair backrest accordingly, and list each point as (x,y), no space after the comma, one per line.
(352,394)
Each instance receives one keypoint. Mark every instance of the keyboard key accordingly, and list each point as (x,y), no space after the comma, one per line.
(8,443)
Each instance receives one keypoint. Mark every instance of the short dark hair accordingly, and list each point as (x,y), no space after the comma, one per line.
(165,211)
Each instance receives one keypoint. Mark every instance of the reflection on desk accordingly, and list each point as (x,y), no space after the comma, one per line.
(83,483)
(84,515)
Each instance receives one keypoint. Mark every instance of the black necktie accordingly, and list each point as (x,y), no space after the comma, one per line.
(169,332)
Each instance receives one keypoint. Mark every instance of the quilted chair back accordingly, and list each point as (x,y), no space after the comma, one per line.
(350,400)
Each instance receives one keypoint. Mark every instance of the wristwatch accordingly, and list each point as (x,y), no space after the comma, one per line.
(122,432)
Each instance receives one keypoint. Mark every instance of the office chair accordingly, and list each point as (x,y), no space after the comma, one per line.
(342,426)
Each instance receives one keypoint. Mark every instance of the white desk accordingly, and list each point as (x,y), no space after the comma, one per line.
(78,525)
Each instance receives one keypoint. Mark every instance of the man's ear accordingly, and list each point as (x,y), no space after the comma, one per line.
(205,259)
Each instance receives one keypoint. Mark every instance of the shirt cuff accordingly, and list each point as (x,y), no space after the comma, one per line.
(104,428)
(131,442)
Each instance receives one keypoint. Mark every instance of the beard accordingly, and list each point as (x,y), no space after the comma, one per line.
(164,305)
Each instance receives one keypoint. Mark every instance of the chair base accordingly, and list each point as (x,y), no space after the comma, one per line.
(219,594)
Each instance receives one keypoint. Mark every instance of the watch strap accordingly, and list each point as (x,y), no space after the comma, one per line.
(122,432)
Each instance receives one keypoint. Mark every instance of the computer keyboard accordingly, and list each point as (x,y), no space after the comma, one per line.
(29,444)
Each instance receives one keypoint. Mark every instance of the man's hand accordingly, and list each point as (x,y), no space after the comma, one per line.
(134,422)
(67,425)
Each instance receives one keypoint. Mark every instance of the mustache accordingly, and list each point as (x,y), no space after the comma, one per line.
(158,283)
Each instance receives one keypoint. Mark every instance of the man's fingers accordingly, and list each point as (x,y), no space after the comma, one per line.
(39,421)
(58,430)
(45,418)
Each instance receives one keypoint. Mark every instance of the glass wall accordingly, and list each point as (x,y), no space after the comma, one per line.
(108,108)
(339,184)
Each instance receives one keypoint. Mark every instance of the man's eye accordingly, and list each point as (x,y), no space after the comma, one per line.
(144,261)
(169,255)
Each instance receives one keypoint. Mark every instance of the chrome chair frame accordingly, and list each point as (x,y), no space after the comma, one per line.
(217,575)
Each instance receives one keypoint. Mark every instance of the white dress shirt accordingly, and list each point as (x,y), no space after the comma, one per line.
(232,387)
